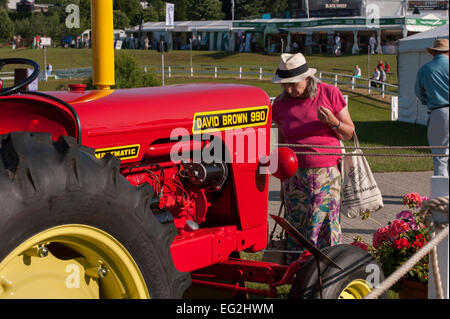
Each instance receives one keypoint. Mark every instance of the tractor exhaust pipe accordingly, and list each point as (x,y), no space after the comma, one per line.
(102,43)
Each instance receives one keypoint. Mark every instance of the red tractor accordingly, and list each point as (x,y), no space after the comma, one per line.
(140,193)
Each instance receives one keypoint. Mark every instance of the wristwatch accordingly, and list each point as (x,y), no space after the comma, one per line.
(337,126)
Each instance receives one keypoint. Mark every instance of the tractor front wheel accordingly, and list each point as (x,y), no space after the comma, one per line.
(360,274)
(73,227)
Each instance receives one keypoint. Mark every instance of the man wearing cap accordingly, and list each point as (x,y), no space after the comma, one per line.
(432,90)
(311,113)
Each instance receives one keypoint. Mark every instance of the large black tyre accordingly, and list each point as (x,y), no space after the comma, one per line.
(45,184)
(354,262)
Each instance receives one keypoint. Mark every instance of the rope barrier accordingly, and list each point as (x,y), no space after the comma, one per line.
(383,155)
(437,204)
(369,148)
(363,147)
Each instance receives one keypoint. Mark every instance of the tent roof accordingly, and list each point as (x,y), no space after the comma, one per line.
(423,40)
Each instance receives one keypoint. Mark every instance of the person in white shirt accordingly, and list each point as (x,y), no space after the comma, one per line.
(357,72)
(375,77)
(337,47)
(373,44)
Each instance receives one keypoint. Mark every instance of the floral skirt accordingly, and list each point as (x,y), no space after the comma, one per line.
(312,205)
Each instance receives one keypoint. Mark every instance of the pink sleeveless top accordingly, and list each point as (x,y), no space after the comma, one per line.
(300,125)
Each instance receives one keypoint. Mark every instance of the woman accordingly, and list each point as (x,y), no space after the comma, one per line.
(310,112)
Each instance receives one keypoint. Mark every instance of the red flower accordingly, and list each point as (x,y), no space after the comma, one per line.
(401,243)
(360,245)
(398,227)
(380,236)
(412,200)
(417,244)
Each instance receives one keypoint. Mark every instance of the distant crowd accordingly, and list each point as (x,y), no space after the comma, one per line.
(379,74)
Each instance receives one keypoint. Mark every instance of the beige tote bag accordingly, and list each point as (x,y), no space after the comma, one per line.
(359,190)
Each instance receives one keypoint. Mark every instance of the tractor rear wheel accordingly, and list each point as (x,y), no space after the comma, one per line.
(73,227)
(360,274)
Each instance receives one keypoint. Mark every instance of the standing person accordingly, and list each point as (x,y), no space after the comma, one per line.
(14,42)
(357,72)
(337,47)
(380,65)
(373,44)
(38,41)
(432,90)
(295,47)
(311,112)
(382,75)
(376,77)
(132,41)
(146,42)
(49,69)
(387,67)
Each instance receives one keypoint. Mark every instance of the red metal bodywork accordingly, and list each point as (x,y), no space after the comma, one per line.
(233,220)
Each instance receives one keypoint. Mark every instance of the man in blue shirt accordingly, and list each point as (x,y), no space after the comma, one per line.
(432,90)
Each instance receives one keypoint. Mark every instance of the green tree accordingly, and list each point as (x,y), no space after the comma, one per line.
(180,10)
(249,9)
(128,74)
(22,27)
(159,8)
(204,10)
(150,14)
(132,8)
(121,20)
(277,8)
(3,4)
(6,25)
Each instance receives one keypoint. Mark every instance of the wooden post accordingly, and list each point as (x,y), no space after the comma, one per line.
(439,187)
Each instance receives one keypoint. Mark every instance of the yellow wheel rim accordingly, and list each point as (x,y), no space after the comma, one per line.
(71,261)
(357,289)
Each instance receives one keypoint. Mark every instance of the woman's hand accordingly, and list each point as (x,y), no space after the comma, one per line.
(341,124)
(326,116)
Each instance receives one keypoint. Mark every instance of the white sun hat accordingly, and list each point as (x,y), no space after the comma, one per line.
(292,69)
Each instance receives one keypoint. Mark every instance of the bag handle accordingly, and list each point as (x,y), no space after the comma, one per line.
(355,139)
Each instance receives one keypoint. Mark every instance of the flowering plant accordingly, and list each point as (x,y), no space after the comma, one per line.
(394,244)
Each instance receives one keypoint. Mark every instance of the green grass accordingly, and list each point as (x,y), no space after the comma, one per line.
(62,58)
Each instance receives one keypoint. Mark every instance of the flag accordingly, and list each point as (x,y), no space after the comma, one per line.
(170,10)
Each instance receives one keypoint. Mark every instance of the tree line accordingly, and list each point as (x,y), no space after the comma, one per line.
(129,13)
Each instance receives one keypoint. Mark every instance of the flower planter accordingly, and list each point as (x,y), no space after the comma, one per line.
(411,289)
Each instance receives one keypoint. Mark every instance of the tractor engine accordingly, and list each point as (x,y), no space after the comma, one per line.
(182,192)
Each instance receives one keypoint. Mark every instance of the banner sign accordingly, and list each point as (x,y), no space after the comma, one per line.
(259,26)
(170,11)
(427,5)
(334,4)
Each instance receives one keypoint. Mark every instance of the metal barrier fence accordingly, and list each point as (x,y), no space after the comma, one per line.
(357,82)
(265,73)
(240,72)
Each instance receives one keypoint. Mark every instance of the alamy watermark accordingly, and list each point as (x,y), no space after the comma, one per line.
(249,145)
(73,19)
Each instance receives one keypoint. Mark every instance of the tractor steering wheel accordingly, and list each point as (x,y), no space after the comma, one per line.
(15,88)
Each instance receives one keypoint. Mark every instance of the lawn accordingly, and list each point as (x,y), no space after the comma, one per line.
(62,58)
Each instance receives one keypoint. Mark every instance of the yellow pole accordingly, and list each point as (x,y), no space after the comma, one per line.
(102,43)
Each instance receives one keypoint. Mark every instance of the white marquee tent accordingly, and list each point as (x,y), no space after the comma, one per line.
(412,54)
